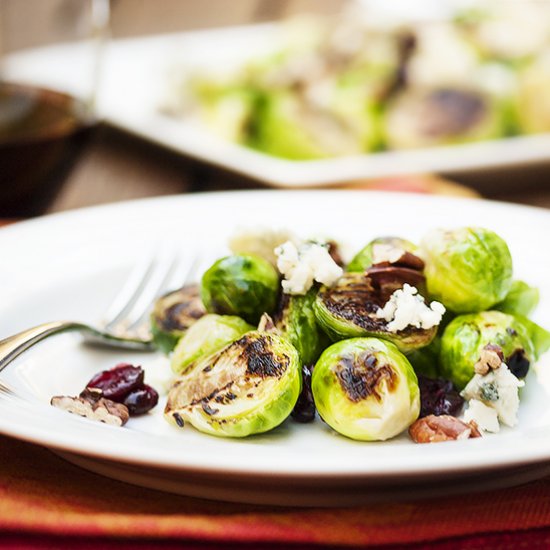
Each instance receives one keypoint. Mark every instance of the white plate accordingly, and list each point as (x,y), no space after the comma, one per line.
(69,266)
(138,72)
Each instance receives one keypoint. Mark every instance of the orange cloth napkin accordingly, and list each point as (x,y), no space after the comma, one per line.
(41,494)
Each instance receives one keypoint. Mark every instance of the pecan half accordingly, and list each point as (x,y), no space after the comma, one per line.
(491,357)
(91,405)
(386,280)
(433,429)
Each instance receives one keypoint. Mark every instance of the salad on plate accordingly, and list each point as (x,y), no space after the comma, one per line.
(430,338)
(362,83)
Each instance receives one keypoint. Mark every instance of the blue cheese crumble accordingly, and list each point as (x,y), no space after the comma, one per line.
(407,308)
(497,390)
(305,263)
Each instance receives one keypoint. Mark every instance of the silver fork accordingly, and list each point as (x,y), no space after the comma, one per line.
(125,323)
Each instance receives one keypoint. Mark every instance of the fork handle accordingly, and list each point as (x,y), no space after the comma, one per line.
(15,345)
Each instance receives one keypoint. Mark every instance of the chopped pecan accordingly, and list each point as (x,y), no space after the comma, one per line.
(266,324)
(491,357)
(91,405)
(334,251)
(386,280)
(432,429)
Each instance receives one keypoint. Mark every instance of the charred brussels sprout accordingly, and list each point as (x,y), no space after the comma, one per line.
(348,309)
(468,269)
(242,285)
(466,336)
(391,250)
(173,314)
(248,387)
(366,389)
(295,319)
(442,116)
(208,335)
(521,300)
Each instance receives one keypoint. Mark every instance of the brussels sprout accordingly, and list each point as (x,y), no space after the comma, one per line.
(228,112)
(295,319)
(289,127)
(540,337)
(534,101)
(442,116)
(259,242)
(248,387)
(208,335)
(521,300)
(173,314)
(468,269)
(379,250)
(425,361)
(366,389)
(467,335)
(243,284)
(348,309)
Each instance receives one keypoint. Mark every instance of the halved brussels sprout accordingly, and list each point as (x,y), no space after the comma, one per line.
(173,314)
(295,319)
(248,387)
(288,126)
(243,284)
(468,269)
(467,335)
(442,116)
(382,249)
(521,300)
(348,309)
(366,389)
(208,335)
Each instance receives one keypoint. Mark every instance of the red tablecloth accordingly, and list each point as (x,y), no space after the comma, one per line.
(46,502)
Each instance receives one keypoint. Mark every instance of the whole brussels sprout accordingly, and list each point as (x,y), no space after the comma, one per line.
(295,319)
(208,335)
(248,387)
(243,284)
(521,300)
(173,314)
(468,269)
(466,336)
(348,309)
(383,248)
(365,389)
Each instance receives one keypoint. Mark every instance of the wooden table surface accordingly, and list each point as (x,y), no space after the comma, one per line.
(116,166)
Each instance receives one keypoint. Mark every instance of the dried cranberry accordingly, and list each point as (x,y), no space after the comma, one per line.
(304,410)
(118,382)
(438,397)
(141,400)
(518,363)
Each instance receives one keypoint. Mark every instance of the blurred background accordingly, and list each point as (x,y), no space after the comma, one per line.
(106,101)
